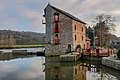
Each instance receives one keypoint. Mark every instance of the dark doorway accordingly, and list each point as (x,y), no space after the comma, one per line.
(69,48)
(78,48)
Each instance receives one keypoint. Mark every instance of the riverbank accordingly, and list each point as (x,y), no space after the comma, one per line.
(20,46)
(24,51)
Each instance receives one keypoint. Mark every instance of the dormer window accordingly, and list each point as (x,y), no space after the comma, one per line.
(56,17)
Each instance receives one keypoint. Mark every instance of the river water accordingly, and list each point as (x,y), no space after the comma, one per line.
(32,67)
(28,49)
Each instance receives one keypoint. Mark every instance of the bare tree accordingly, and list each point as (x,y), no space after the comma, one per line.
(104,27)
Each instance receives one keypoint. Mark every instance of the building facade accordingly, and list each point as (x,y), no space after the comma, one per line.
(64,32)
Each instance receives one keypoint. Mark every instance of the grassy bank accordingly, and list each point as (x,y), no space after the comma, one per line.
(20,46)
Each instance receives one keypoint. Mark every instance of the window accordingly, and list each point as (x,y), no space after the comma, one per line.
(82,38)
(56,17)
(56,39)
(82,29)
(84,46)
(56,29)
(75,37)
(75,27)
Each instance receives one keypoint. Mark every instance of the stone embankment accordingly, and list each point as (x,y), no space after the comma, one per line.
(73,56)
(111,62)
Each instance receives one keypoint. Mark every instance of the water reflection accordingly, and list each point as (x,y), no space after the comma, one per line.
(25,68)
(81,70)
(11,56)
(28,49)
(110,74)
(65,70)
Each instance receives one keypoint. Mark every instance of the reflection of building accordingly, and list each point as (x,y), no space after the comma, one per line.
(54,70)
(73,72)
(64,32)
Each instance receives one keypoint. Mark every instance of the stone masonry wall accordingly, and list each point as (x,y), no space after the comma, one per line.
(79,33)
(48,24)
(111,62)
(65,33)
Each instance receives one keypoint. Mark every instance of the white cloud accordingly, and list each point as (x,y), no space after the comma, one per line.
(34,17)
(116,13)
(32,10)
(34,72)
(118,30)
(6,69)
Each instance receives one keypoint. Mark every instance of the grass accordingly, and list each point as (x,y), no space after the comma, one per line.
(27,45)
(20,46)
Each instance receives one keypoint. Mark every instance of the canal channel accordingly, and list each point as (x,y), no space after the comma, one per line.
(32,67)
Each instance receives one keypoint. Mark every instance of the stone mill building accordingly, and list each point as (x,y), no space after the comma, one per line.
(64,32)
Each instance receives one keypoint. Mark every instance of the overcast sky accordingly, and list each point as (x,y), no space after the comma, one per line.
(26,15)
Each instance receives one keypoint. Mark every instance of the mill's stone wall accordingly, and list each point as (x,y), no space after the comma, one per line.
(48,24)
(65,28)
(54,50)
(66,33)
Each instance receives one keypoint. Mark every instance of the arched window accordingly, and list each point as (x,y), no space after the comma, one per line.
(56,39)
(69,48)
(56,17)
(56,35)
